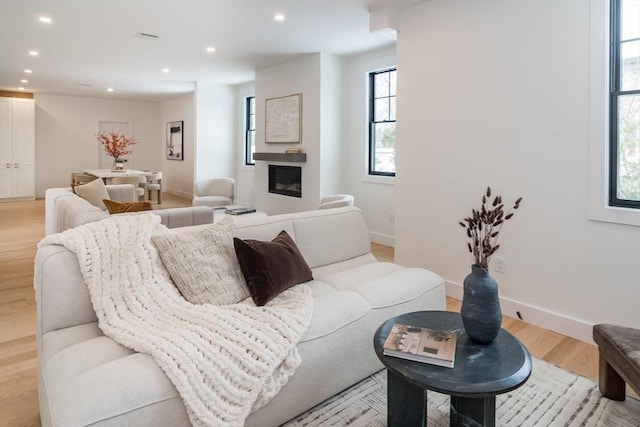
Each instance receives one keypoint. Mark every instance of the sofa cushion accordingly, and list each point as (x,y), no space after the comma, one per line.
(270,268)
(121,207)
(325,270)
(385,284)
(93,192)
(99,382)
(202,262)
(55,341)
(316,233)
(333,310)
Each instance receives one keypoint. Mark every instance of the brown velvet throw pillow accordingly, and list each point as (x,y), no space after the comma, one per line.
(120,207)
(270,268)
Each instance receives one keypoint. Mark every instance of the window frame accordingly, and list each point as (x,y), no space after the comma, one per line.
(371,171)
(615,94)
(598,208)
(248,130)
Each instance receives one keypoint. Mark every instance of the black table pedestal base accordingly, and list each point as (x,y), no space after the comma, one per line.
(406,403)
(407,406)
(481,372)
(472,412)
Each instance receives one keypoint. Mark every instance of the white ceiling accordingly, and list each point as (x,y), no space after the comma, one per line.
(92,45)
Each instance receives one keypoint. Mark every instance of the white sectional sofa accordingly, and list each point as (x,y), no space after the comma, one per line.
(64,209)
(86,378)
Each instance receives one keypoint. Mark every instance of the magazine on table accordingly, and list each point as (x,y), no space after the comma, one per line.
(238,210)
(421,345)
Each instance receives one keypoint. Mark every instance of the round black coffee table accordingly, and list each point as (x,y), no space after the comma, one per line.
(480,373)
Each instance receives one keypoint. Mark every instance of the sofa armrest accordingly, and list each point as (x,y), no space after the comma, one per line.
(64,209)
(183,217)
(62,298)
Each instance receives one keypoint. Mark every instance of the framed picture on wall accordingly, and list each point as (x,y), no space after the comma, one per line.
(283,118)
(175,141)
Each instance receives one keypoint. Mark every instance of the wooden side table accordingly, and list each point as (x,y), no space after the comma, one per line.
(480,373)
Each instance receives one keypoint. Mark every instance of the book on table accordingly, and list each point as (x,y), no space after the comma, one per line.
(421,345)
(239,210)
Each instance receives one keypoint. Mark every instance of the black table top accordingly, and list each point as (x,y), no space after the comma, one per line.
(480,370)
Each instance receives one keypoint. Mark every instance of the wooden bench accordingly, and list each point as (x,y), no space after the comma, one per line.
(619,351)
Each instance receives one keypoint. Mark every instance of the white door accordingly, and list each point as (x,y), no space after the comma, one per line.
(6,149)
(104,160)
(24,143)
(17,147)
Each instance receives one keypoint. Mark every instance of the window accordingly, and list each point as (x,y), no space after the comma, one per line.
(250,130)
(382,123)
(624,107)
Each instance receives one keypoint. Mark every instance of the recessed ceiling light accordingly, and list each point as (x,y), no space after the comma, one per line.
(28,71)
(45,19)
(33,53)
(279,17)
(165,70)
(211,49)
(24,81)
(109,89)
(20,88)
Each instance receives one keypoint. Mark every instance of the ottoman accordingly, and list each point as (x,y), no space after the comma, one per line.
(619,359)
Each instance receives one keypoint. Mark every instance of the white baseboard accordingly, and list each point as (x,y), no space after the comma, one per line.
(383,239)
(538,316)
(178,193)
(18,199)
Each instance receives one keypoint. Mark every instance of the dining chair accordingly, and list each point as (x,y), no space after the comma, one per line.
(79,178)
(154,183)
(140,182)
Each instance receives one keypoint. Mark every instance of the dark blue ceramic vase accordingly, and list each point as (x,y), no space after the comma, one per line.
(480,311)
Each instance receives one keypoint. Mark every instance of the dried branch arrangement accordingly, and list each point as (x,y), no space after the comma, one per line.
(484,225)
(116,144)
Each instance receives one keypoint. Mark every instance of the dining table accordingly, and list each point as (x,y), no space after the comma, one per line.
(107,174)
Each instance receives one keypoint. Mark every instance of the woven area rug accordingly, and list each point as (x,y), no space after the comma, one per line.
(551,397)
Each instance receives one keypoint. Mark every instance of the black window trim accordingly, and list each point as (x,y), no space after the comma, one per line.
(247,130)
(371,146)
(615,93)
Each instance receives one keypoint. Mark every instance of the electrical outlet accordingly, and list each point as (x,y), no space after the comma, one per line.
(500,264)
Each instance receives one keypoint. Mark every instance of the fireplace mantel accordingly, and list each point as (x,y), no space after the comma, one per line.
(281,157)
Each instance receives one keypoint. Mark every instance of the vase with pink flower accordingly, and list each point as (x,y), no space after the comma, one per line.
(116,145)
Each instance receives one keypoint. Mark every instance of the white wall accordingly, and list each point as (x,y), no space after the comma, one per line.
(215,130)
(343,135)
(297,76)
(333,158)
(178,175)
(66,142)
(497,93)
(245,176)
(374,195)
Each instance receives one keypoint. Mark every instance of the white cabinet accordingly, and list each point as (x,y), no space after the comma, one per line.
(17,148)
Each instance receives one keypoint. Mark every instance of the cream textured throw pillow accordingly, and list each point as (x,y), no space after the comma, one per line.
(93,192)
(202,262)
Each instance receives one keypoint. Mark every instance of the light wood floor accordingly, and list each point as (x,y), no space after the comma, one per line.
(22,227)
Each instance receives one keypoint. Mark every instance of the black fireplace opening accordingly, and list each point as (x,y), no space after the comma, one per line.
(286,180)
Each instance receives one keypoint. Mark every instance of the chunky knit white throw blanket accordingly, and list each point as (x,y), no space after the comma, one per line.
(225,361)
